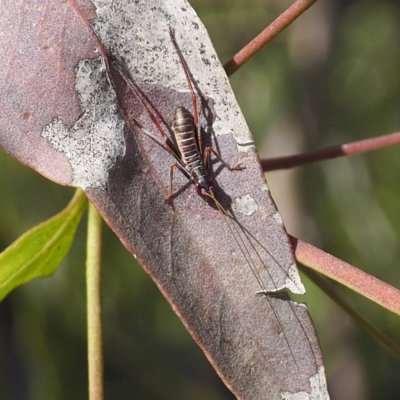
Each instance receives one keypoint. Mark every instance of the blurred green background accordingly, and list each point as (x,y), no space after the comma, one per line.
(332,77)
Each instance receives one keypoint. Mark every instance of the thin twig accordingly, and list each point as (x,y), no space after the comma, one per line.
(361,146)
(260,41)
(94,306)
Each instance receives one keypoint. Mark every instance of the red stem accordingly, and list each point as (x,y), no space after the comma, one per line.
(367,285)
(259,42)
(360,146)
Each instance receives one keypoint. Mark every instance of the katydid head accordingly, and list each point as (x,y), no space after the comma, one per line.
(205,187)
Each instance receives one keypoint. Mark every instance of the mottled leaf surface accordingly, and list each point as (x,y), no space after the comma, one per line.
(76,126)
(40,46)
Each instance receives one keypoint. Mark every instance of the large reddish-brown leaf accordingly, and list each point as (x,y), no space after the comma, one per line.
(71,118)
(40,45)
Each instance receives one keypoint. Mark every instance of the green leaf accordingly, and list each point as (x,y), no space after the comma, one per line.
(38,252)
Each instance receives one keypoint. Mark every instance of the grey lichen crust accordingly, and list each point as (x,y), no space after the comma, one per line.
(316,392)
(94,142)
(144,46)
(245,205)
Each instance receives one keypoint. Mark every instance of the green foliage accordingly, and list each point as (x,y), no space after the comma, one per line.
(38,252)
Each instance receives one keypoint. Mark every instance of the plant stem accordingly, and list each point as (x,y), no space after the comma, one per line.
(361,146)
(94,306)
(272,30)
